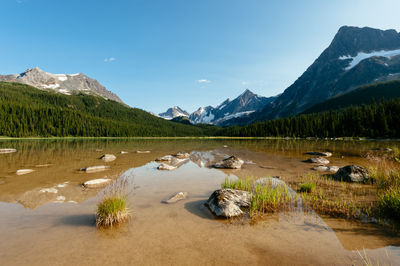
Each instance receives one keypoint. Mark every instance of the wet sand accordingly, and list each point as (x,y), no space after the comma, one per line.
(35,230)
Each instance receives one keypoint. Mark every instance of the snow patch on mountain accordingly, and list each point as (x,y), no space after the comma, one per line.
(355,60)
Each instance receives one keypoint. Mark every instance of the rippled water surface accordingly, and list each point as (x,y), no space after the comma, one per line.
(47,217)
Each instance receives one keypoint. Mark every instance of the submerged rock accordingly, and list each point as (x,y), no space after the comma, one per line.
(230,163)
(318,153)
(167,167)
(7,150)
(108,157)
(95,169)
(176,197)
(24,171)
(97,183)
(352,173)
(318,160)
(49,190)
(228,202)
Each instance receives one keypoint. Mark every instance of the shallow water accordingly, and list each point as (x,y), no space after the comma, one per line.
(39,227)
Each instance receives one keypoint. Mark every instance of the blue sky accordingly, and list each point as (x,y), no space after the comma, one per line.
(159,53)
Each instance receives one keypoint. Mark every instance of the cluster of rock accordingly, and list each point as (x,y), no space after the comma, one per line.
(321,161)
(172,161)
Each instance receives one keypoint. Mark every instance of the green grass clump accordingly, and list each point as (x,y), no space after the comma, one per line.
(389,203)
(111,211)
(113,207)
(307,187)
(265,198)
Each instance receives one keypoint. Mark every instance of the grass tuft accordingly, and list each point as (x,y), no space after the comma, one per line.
(307,187)
(113,207)
(389,203)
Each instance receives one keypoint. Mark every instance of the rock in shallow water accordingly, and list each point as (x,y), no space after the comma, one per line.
(323,168)
(7,150)
(97,183)
(230,163)
(176,197)
(108,157)
(317,153)
(228,202)
(319,160)
(352,173)
(95,169)
(181,155)
(167,167)
(24,171)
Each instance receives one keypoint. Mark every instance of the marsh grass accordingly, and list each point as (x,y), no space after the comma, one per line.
(307,187)
(113,206)
(266,197)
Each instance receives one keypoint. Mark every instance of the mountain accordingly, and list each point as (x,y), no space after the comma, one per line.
(173,112)
(62,83)
(27,111)
(364,95)
(226,112)
(355,57)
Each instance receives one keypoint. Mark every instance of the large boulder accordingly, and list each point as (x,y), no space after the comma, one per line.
(352,173)
(230,163)
(319,153)
(318,160)
(228,202)
(108,157)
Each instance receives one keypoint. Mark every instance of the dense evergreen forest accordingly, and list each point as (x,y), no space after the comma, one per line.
(375,120)
(26,111)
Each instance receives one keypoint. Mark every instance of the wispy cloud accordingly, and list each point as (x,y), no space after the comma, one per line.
(109,59)
(203,81)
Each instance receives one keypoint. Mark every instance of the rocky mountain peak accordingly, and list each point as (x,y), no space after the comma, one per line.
(61,83)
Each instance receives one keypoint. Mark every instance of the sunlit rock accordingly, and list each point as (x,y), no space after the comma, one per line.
(7,150)
(319,160)
(353,173)
(97,183)
(230,163)
(228,202)
(24,171)
(166,167)
(95,169)
(317,153)
(108,157)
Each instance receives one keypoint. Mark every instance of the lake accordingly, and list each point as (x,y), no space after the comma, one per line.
(47,217)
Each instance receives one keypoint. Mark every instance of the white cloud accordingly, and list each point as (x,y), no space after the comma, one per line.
(203,81)
(109,59)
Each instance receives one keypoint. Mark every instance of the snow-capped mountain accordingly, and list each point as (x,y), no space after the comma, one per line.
(62,83)
(355,57)
(223,114)
(173,112)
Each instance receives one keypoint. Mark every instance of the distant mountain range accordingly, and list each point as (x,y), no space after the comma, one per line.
(243,105)
(355,57)
(63,83)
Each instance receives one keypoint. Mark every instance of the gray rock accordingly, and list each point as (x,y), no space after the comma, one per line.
(166,167)
(97,183)
(166,158)
(318,160)
(7,150)
(176,197)
(142,151)
(352,173)
(317,153)
(24,171)
(228,202)
(230,163)
(181,155)
(95,169)
(323,168)
(108,157)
